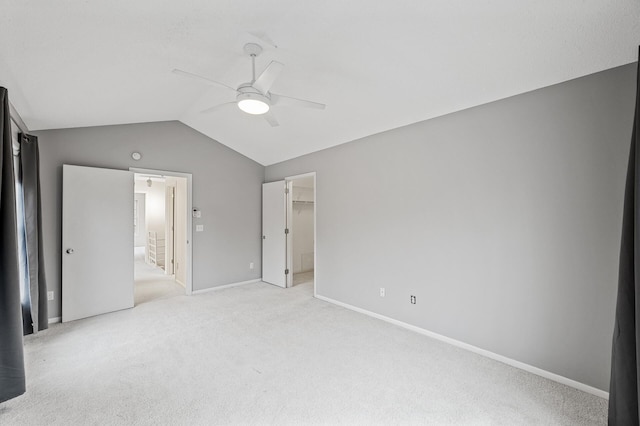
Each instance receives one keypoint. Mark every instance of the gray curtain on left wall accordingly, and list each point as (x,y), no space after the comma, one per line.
(624,398)
(12,374)
(35,313)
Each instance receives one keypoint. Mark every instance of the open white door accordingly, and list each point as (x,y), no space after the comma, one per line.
(274,241)
(97,241)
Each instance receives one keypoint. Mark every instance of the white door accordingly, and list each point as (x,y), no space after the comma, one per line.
(274,241)
(97,241)
(140,234)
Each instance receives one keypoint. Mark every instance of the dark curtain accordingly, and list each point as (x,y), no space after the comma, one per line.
(12,375)
(623,390)
(35,311)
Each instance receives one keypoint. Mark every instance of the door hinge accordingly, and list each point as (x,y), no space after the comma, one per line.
(286,190)
(286,230)
(286,272)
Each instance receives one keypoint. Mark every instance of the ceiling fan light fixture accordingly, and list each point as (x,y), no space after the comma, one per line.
(253,103)
(254,97)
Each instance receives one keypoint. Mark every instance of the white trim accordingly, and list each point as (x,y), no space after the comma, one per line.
(222,287)
(315,235)
(55,320)
(189,257)
(512,362)
(289,237)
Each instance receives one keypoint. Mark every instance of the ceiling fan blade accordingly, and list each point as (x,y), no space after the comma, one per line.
(294,102)
(264,82)
(201,78)
(217,107)
(271,119)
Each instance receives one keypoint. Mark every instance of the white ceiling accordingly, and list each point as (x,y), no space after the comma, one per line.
(377,65)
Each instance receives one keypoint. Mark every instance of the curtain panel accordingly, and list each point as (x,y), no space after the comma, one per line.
(35,310)
(12,374)
(623,389)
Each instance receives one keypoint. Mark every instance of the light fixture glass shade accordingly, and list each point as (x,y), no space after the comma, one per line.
(253,106)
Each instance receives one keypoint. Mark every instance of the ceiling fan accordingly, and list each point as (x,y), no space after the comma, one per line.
(254,97)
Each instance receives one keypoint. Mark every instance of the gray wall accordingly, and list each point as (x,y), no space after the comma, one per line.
(226,187)
(504,220)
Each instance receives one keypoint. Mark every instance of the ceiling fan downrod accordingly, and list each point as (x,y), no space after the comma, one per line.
(253,50)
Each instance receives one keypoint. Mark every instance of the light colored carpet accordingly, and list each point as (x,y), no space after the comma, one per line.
(303,277)
(260,354)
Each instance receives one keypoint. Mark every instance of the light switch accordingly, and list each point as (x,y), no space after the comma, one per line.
(199,228)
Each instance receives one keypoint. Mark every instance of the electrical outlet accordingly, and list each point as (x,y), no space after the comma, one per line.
(413,299)
(382,291)
(49,295)
(251,265)
(199,228)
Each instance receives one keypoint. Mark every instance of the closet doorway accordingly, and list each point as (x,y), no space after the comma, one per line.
(301,237)
(289,232)
(162,234)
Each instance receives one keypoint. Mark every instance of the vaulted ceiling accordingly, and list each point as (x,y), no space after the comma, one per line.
(377,65)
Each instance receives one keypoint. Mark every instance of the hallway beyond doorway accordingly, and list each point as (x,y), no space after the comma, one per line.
(303,277)
(151,283)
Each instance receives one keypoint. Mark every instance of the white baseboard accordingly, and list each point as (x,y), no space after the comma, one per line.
(55,320)
(221,287)
(512,362)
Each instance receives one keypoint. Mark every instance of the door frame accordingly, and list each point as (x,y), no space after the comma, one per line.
(170,249)
(189,216)
(288,181)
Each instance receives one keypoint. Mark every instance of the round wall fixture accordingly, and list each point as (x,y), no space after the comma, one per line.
(136,156)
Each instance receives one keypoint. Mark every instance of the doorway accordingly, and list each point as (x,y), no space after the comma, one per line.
(289,232)
(162,235)
(301,235)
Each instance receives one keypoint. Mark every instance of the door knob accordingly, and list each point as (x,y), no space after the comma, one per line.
(69,251)
(264,237)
